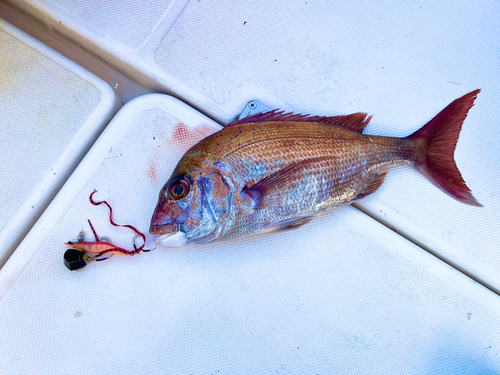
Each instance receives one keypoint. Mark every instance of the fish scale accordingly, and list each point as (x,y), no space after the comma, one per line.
(273,171)
(271,150)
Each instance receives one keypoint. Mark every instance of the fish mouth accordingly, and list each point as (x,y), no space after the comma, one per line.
(169,235)
(164,229)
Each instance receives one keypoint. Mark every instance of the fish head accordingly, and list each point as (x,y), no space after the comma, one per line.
(192,208)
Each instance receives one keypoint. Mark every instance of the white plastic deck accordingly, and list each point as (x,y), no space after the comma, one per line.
(400,61)
(52,111)
(341,295)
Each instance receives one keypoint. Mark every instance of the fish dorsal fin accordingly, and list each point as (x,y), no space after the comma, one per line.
(355,121)
(376,183)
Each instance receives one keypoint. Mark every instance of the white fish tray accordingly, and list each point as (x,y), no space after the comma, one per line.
(400,61)
(52,111)
(343,294)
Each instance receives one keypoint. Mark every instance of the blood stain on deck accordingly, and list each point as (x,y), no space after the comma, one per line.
(184,136)
(151,172)
(181,133)
(205,130)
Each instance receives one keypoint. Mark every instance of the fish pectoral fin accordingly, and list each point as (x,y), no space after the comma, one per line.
(287,224)
(272,189)
(376,183)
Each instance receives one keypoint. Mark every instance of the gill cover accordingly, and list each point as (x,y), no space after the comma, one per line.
(191,209)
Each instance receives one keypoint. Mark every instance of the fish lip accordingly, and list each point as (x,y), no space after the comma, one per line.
(164,229)
(172,240)
(158,240)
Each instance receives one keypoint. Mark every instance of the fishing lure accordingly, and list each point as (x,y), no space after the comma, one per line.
(79,253)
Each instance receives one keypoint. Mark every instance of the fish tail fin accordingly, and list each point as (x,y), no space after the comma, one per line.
(436,143)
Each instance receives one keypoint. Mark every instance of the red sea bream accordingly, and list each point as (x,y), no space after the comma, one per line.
(273,171)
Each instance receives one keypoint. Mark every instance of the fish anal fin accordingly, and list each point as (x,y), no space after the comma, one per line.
(376,183)
(355,121)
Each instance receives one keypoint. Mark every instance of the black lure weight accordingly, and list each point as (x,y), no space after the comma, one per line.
(74,259)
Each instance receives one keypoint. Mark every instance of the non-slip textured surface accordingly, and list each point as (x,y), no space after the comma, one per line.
(325,57)
(42,106)
(128,21)
(321,299)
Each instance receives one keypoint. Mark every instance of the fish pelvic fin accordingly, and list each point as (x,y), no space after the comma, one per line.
(287,224)
(436,142)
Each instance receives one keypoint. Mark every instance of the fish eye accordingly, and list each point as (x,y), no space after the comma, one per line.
(179,188)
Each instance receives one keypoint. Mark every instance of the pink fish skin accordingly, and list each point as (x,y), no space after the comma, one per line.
(274,171)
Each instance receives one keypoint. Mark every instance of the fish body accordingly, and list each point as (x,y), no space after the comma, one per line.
(275,171)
